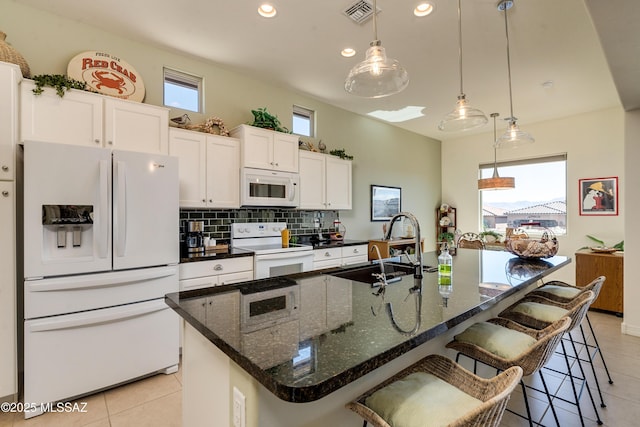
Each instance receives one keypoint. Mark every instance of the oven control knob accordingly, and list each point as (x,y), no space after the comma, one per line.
(246,230)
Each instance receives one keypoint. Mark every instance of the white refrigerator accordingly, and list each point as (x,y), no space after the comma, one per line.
(101,249)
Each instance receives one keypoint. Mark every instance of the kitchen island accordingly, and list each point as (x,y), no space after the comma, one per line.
(301,368)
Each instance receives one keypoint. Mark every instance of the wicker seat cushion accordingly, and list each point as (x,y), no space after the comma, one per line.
(567,292)
(544,312)
(503,342)
(421,399)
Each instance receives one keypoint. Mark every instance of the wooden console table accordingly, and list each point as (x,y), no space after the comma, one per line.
(590,265)
(386,246)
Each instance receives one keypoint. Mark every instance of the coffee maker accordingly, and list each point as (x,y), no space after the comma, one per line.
(194,237)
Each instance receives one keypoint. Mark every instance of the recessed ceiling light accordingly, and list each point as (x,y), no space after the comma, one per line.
(348,52)
(423,9)
(267,10)
(548,84)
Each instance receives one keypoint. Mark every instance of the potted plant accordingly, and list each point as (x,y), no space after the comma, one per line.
(446,236)
(490,236)
(263,119)
(60,82)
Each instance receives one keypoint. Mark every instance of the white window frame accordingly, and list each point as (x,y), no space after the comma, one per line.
(187,80)
(528,161)
(306,113)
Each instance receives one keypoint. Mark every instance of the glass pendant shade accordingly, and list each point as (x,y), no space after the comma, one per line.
(463,117)
(514,137)
(377,76)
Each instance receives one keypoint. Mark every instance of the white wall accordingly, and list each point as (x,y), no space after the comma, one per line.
(631,324)
(594,143)
(384,154)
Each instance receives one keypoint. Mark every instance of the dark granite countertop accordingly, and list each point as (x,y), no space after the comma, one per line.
(337,338)
(210,255)
(338,243)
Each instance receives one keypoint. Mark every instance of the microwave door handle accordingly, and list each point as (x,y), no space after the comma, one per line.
(103,209)
(121,210)
(293,191)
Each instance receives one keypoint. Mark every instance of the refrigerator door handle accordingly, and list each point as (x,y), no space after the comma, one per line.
(94,317)
(121,210)
(103,209)
(99,281)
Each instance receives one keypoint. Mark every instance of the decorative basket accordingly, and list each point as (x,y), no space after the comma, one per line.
(9,54)
(525,247)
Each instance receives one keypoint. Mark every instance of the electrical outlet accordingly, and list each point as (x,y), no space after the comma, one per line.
(239,410)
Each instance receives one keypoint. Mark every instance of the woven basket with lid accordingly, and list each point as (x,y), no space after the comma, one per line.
(9,54)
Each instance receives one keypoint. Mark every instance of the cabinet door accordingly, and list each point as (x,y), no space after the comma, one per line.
(190,148)
(285,152)
(74,119)
(223,172)
(133,126)
(312,180)
(10,76)
(8,351)
(338,173)
(257,147)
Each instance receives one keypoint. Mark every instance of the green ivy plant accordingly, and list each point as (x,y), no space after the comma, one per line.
(263,119)
(341,153)
(60,82)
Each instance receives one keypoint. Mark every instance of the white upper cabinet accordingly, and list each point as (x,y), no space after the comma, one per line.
(85,118)
(10,77)
(209,169)
(267,149)
(325,181)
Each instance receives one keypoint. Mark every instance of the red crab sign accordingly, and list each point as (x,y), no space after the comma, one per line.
(107,74)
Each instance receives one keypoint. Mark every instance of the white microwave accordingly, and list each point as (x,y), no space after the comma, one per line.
(261,187)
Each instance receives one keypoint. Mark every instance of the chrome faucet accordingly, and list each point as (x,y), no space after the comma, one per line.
(381,276)
(417,264)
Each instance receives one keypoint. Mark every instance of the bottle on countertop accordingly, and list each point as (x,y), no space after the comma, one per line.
(445,264)
(285,237)
(445,274)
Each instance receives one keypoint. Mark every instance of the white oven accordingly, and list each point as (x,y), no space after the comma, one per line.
(270,258)
(259,187)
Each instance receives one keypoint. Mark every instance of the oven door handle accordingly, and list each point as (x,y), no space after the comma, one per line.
(287,255)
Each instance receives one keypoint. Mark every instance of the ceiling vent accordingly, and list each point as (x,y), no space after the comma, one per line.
(360,11)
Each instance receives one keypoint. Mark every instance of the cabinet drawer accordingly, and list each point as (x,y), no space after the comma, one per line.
(190,270)
(319,265)
(198,283)
(349,251)
(228,279)
(326,254)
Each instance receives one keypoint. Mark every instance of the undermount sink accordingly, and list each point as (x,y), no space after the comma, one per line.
(366,274)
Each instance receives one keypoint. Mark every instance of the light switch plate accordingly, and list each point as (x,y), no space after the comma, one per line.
(239,409)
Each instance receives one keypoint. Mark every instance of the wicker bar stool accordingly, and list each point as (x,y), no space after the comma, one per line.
(537,312)
(563,292)
(503,343)
(437,392)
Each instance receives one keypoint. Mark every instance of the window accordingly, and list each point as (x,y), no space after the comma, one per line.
(539,199)
(182,90)
(303,121)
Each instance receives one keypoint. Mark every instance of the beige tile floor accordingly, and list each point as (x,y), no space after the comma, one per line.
(157,401)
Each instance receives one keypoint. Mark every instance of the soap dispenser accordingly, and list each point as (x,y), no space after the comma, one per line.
(445,264)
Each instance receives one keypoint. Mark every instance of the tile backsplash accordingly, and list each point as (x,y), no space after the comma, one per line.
(217,223)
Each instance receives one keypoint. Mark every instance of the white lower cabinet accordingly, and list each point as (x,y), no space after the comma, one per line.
(201,274)
(325,181)
(354,254)
(338,256)
(209,169)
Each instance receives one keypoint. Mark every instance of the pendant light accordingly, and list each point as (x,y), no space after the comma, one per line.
(513,137)
(377,76)
(496,182)
(463,117)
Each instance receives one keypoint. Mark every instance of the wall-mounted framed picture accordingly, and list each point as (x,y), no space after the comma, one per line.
(598,196)
(385,202)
